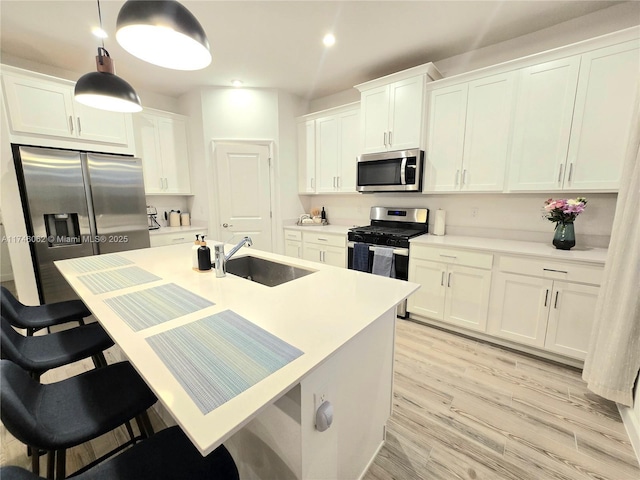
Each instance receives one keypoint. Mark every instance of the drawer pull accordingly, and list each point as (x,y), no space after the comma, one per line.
(552,270)
(448,256)
(555,304)
(181,239)
(322,239)
(546,297)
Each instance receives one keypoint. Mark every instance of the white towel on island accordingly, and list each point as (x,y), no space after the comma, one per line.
(384,262)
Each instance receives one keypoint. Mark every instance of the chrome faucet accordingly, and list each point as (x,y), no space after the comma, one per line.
(220,259)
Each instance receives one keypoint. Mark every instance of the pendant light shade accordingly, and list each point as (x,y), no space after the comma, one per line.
(163,32)
(105,90)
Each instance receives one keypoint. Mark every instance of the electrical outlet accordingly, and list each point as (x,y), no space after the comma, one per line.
(474,212)
(319,398)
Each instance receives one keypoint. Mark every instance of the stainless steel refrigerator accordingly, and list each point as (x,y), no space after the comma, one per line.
(78,204)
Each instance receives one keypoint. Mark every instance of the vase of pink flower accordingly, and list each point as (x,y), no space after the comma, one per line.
(564,212)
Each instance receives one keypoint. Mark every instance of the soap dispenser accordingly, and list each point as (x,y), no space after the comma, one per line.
(204,256)
(194,253)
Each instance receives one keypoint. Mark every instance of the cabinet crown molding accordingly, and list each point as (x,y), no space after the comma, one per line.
(428,69)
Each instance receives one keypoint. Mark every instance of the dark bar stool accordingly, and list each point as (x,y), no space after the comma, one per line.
(33,318)
(168,455)
(57,416)
(40,353)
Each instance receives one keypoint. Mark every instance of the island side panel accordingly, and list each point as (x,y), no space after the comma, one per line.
(358,380)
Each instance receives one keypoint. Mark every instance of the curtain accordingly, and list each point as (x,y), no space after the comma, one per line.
(613,360)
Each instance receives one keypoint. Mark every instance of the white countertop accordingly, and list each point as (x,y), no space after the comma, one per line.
(546,250)
(169,230)
(335,229)
(317,314)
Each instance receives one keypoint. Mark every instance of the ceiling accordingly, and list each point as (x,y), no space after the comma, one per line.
(271,44)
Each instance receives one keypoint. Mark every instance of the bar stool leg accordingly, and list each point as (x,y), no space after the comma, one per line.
(51,463)
(61,464)
(35,460)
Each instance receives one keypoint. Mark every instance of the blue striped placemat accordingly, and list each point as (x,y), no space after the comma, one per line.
(98,262)
(156,305)
(102,282)
(220,356)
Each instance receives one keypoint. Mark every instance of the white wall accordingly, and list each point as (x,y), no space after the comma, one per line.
(243,114)
(510,216)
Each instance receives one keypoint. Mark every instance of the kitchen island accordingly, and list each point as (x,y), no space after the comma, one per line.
(334,328)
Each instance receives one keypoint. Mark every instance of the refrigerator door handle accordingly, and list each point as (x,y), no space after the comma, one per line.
(93,229)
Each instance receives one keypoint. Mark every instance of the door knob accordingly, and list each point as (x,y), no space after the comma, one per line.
(225,225)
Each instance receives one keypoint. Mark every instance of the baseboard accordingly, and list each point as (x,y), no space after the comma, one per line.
(370,462)
(632,424)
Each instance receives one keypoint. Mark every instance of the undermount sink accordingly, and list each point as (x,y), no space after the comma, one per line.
(264,271)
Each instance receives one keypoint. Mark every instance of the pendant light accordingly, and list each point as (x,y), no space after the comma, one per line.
(163,32)
(103,89)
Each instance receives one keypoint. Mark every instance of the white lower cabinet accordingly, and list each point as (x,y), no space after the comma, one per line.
(454,290)
(292,243)
(544,311)
(162,239)
(325,248)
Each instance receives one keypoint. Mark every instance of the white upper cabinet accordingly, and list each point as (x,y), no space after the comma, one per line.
(603,117)
(44,107)
(542,125)
(328,149)
(468,135)
(161,141)
(392,116)
(573,121)
(306,157)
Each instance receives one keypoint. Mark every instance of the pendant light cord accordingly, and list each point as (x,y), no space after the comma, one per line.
(100,19)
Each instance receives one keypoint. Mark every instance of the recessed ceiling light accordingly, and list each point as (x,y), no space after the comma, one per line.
(329,39)
(236,83)
(98,32)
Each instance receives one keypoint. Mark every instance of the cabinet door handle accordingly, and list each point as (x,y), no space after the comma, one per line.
(552,270)
(161,184)
(457,178)
(385,139)
(313,183)
(449,280)
(79,126)
(337,182)
(546,297)
(464,176)
(555,304)
(442,279)
(390,143)
(570,172)
(560,174)
(71,124)
(166,183)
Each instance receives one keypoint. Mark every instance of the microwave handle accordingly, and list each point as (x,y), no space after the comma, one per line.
(403,169)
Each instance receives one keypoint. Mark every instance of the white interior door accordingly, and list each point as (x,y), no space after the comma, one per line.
(244,193)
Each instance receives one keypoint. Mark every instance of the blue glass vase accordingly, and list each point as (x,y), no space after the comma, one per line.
(565,236)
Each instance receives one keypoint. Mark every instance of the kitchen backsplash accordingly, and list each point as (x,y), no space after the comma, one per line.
(509,216)
(166,203)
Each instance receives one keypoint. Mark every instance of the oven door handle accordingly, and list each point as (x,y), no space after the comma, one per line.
(396,251)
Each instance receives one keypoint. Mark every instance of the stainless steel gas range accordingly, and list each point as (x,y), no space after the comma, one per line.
(390,230)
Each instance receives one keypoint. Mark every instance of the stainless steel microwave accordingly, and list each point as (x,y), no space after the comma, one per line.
(399,171)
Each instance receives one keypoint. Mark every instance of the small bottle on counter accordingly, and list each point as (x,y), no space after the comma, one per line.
(204,256)
(323,215)
(194,253)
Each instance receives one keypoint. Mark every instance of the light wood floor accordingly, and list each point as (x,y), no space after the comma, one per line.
(463,410)
(468,410)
